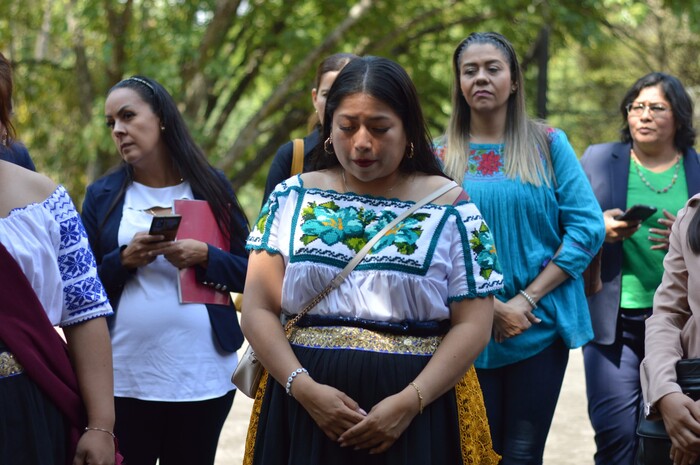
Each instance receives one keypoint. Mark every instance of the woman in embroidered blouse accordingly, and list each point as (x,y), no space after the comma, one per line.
(49,395)
(373,388)
(654,164)
(526,180)
(172,360)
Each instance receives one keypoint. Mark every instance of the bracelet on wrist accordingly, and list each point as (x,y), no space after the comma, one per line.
(420,396)
(292,377)
(93,428)
(529,299)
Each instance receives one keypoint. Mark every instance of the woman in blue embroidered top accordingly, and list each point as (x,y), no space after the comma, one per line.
(525,179)
(380,356)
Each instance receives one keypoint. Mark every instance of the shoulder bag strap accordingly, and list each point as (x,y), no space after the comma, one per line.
(340,277)
(297,157)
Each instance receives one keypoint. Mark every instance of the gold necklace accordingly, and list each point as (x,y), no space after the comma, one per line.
(677,166)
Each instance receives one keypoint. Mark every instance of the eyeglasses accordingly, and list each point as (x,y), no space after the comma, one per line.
(655,109)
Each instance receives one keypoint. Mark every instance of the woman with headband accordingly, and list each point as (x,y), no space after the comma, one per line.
(172,361)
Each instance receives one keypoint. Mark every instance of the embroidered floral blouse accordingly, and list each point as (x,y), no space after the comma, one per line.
(530,224)
(439,254)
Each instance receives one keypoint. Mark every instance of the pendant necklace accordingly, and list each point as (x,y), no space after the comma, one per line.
(647,183)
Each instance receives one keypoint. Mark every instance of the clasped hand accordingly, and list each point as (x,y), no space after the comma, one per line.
(681,417)
(512,318)
(145,248)
(343,421)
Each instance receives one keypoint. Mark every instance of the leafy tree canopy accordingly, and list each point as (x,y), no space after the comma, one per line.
(242,71)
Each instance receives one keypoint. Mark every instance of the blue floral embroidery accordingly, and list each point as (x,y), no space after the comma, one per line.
(72,232)
(404,235)
(75,264)
(331,224)
(83,294)
(354,227)
(482,244)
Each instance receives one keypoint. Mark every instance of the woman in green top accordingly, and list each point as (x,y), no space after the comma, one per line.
(655,165)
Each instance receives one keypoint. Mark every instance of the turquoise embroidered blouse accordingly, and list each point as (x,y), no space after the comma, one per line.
(529,224)
(439,254)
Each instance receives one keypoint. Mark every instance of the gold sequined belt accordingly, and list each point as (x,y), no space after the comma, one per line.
(9,366)
(348,337)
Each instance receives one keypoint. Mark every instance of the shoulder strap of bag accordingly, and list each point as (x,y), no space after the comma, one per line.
(340,277)
(297,157)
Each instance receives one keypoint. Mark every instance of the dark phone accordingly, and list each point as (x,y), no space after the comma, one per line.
(637,213)
(165,225)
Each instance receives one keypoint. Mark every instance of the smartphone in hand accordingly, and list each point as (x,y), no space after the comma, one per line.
(165,225)
(637,213)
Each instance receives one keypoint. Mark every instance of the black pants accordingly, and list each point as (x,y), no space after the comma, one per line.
(176,433)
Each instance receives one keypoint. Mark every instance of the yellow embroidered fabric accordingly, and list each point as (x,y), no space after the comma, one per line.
(254,420)
(474,429)
(348,337)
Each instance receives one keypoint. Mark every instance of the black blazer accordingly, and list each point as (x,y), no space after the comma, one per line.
(102,213)
(607,167)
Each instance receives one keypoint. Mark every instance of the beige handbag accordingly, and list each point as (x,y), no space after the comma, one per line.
(247,375)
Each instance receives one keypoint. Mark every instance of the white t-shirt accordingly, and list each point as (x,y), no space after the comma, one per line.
(163,350)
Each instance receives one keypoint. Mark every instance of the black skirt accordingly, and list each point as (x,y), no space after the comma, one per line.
(32,430)
(451,430)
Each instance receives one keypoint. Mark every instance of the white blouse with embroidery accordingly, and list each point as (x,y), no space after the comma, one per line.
(49,243)
(439,254)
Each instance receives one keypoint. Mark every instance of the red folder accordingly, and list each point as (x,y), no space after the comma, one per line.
(198,223)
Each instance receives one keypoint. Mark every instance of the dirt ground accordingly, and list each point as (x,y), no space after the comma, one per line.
(570,440)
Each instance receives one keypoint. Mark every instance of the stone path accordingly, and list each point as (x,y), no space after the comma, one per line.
(570,441)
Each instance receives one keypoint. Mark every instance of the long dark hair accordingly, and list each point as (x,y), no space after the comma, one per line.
(681,106)
(6,98)
(388,82)
(189,159)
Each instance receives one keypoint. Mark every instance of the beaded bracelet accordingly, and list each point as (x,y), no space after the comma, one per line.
(92,428)
(290,380)
(529,299)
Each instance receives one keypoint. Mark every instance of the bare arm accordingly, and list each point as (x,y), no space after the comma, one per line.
(91,354)
(330,408)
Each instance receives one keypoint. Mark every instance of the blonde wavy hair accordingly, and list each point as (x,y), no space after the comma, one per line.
(526,141)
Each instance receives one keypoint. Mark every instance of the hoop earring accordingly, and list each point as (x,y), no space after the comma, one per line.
(328,143)
(411,153)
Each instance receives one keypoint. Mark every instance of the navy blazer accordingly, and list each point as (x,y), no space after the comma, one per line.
(102,214)
(607,167)
(18,154)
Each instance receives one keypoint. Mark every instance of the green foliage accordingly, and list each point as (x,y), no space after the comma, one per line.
(242,71)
